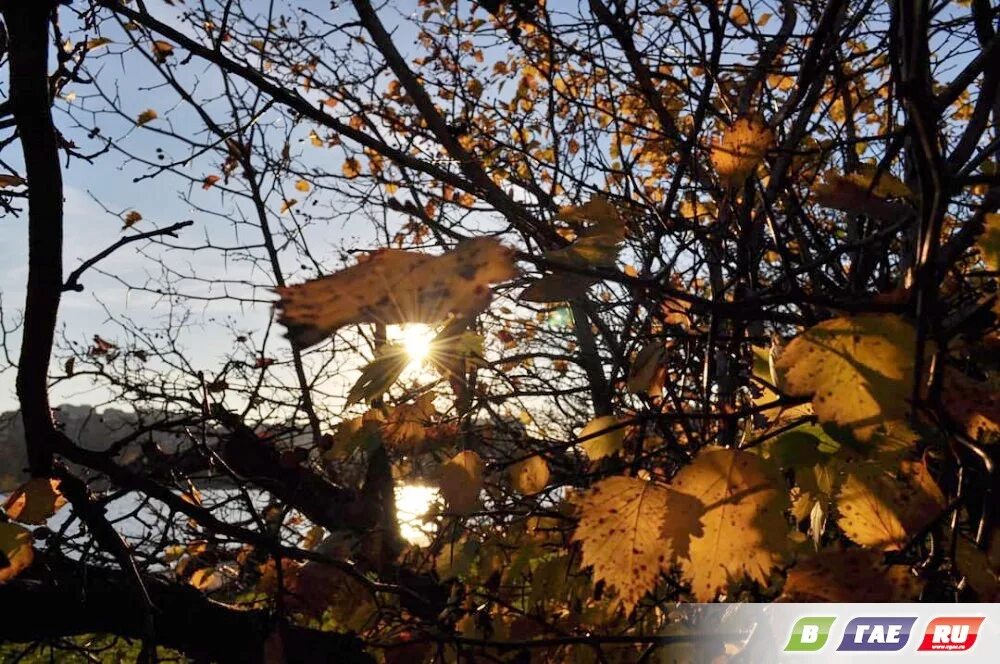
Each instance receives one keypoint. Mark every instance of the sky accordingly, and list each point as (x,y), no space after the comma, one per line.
(97,194)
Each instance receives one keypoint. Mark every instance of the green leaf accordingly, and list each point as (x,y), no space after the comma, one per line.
(376,378)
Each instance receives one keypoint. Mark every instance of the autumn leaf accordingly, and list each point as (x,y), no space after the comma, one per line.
(97,43)
(209,181)
(351,167)
(631,530)
(530,475)
(16,553)
(461,481)
(882,508)
(146,116)
(131,219)
(860,193)
(853,575)
(974,405)
(646,373)
(858,371)
(745,534)
(287,205)
(405,426)
(598,243)
(741,149)
(302,185)
(207,579)
(162,50)
(34,501)
(739,16)
(989,241)
(558,287)
(9,180)
(392,286)
(602,436)
(101,347)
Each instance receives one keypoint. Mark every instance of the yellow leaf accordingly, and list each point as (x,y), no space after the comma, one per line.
(745,534)
(34,501)
(602,436)
(287,204)
(302,185)
(630,530)
(763,20)
(854,575)
(461,481)
(97,43)
(742,147)
(146,116)
(207,579)
(739,16)
(530,475)
(351,167)
(16,553)
(883,509)
(392,286)
(858,371)
(989,241)
(598,209)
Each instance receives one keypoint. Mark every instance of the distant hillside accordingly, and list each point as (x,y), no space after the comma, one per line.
(92,429)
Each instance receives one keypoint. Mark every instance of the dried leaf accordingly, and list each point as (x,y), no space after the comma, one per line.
(392,286)
(146,116)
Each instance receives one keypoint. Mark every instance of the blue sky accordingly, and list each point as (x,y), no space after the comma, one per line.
(97,193)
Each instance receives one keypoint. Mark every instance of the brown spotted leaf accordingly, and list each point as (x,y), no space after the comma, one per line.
(883,508)
(745,534)
(393,286)
(631,530)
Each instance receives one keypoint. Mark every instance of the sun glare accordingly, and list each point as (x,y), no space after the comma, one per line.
(413,502)
(415,338)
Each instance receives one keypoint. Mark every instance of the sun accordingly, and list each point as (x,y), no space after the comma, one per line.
(413,501)
(415,338)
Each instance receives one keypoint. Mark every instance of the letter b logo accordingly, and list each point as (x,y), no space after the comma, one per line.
(809,634)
